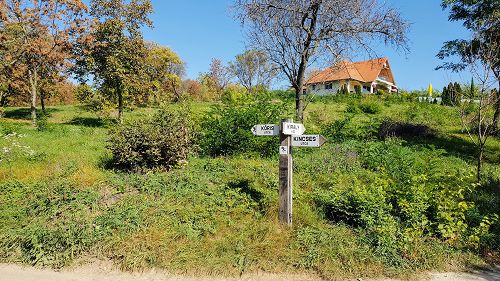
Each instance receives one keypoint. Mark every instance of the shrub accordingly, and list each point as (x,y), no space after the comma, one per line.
(370,107)
(283,94)
(94,100)
(381,92)
(390,128)
(160,142)
(343,90)
(357,90)
(346,129)
(227,127)
(42,122)
(353,107)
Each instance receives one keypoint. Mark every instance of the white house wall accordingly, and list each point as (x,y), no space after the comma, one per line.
(321,91)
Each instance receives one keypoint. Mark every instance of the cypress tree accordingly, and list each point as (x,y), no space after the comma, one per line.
(444,96)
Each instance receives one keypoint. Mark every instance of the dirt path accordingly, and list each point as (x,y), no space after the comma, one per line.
(100,272)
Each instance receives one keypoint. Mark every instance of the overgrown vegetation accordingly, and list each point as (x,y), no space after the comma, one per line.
(392,192)
(227,126)
(162,141)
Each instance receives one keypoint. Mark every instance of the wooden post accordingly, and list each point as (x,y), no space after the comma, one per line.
(285,189)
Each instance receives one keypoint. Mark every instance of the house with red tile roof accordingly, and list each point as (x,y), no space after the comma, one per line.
(367,76)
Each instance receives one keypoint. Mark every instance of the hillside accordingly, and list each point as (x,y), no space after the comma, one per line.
(373,201)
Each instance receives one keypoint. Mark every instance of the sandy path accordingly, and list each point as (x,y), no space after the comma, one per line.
(10,272)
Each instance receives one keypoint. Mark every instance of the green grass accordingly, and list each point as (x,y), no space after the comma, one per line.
(59,202)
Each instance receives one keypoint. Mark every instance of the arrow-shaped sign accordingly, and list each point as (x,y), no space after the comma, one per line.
(308,140)
(293,128)
(266,130)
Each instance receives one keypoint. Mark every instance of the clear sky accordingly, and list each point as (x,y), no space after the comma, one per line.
(201,30)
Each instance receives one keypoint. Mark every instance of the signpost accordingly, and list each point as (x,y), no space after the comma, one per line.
(308,140)
(266,130)
(290,135)
(290,128)
(285,174)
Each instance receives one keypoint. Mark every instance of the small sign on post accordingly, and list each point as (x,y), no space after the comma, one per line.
(290,135)
(266,130)
(308,140)
(290,128)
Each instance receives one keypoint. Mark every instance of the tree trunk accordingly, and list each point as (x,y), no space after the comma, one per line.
(299,87)
(33,83)
(496,115)
(479,163)
(42,102)
(3,96)
(120,106)
(299,104)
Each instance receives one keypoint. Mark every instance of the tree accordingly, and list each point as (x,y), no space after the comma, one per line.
(113,52)
(457,99)
(295,33)
(451,95)
(445,96)
(219,76)
(477,120)
(165,70)
(482,18)
(253,69)
(37,37)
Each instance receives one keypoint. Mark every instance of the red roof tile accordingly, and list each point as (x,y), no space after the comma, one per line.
(364,71)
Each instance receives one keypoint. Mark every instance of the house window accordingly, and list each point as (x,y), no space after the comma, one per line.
(314,87)
(328,86)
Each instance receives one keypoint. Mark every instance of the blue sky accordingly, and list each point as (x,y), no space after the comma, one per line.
(201,30)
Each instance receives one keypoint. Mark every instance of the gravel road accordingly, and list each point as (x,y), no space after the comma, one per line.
(100,272)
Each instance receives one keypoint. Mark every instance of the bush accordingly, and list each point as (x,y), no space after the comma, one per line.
(353,107)
(390,128)
(160,142)
(227,127)
(370,107)
(94,100)
(348,129)
(283,94)
(42,122)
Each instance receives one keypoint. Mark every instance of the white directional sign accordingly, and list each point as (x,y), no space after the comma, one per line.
(308,140)
(266,130)
(293,128)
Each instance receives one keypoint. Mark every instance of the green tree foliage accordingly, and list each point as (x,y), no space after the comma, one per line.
(482,18)
(113,51)
(451,95)
(343,90)
(165,70)
(227,127)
